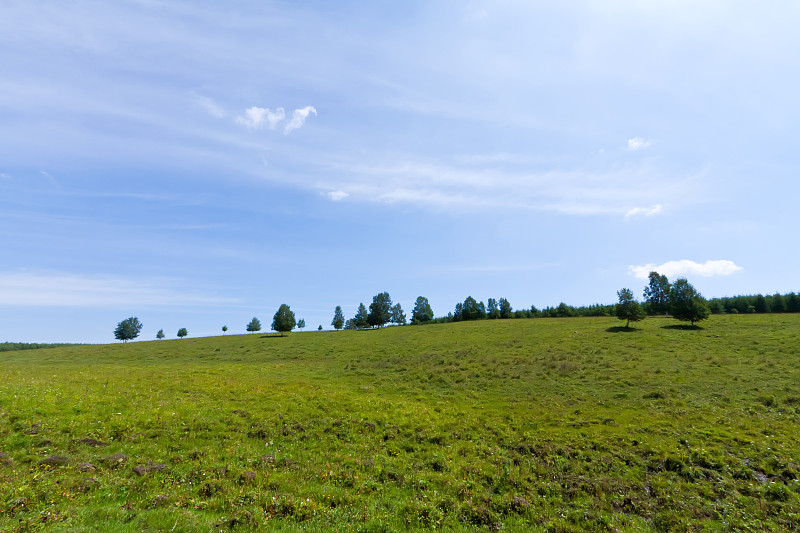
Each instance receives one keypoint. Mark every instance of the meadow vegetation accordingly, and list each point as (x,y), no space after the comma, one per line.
(537,425)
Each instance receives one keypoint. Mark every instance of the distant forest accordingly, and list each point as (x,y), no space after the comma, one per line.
(13,346)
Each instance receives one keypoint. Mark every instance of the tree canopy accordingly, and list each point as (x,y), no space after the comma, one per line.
(656,294)
(380,310)
(338,318)
(360,321)
(398,316)
(628,308)
(128,329)
(422,311)
(686,303)
(182,333)
(160,334)
(254,325)
(283,320)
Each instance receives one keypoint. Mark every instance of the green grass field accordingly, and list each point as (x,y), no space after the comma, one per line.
(520,425)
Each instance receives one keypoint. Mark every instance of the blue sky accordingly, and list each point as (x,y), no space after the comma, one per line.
(196,164)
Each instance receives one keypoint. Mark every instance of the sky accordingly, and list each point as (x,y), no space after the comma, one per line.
(196,164)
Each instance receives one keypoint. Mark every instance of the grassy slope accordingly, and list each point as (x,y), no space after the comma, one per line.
(546,424)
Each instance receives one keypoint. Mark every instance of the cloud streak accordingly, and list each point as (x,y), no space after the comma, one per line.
(26,289)
(637,143)
(643,211)
(299,117)
(256,117)
(686,267)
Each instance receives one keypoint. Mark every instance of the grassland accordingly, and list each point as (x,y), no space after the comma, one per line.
(523,425)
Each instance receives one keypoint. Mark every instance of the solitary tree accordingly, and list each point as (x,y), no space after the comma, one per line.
(254,325)
(319,328)
(628,308)
(422,311)
(224,329)
(301,323)
(128,329)
(657,293)
(338,318)
(686,303)
(380,310)
(505,308)
(398,316)
(182,333)
(360,321)
(160,334)
(283,320)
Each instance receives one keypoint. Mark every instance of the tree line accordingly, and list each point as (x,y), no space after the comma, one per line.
(679,299)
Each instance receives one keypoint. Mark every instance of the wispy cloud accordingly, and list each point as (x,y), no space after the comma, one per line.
(73,290)
(643,211)
(685,267)
(4,176)
(256,117)
(210,106)
(637,143)
(335,196)
(299,117)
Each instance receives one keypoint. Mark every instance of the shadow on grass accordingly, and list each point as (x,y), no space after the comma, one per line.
(622,329)
(272,336)
(683,327)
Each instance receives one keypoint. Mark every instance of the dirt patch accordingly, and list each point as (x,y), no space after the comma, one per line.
(246,477)
(114,460)
(35,429)
(86,467)
(143,470)
(54,460)
(195,454)
(86,485)
(90,442)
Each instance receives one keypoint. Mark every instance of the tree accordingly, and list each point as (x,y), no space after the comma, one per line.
(338,318)
(283,320)
(360,321)
(224,329)
(458,312)
(491,308)
(761,304)
(398,316)
(160,334)
(422,311)
(628,308)
(686,304)
(472,310)
(380,310)
(657,293)
(182,333)
(301,323)
(254,325)
(505,308)
(793,303)
(128,329)
(319,328)
(778,304)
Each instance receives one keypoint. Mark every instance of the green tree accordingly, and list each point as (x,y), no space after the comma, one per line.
(422,311)
(628,308)
(224,329)
(491,308)
(182,333)
(301,323)
(319,328)
(778,303)
(473,310)
(398,316)
(458,312)
(505,308)
(128,329)
(656,294)
(254,325)
(160,334)
(793,303)
(360,321)
(283,320)
(380,310)
(761,304)
(686,304)
(338,318)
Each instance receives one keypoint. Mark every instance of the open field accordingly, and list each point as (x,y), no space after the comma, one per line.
(534,425)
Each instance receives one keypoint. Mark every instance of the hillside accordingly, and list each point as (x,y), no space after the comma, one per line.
(541,425)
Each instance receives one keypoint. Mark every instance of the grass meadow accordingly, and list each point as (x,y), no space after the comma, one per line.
(516,425)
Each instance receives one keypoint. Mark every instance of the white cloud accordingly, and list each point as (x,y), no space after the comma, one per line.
(5,176)
(637,143)
(210,106)
(335,196)
(644,211)
(299,117)
(73,290)
(255,117)
(685,267)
